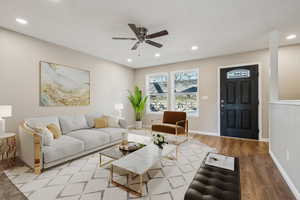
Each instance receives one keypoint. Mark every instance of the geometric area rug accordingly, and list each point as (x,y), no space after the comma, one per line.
(83,179)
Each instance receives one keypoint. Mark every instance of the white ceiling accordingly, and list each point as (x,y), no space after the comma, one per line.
(218,27)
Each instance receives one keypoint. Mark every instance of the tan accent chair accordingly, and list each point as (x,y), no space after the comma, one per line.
(173,123)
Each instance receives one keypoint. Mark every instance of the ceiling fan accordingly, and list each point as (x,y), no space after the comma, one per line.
(142,36)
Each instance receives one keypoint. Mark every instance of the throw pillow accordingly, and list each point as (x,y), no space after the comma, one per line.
(113,122)
(101,122)
(47,137)
(54,130)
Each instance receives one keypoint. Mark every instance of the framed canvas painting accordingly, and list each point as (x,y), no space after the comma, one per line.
(61,85)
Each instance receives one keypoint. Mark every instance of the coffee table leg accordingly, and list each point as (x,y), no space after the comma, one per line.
(111,173)
(100,160)
(141,185)
(177,149)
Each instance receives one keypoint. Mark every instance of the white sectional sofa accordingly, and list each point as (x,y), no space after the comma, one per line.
(79,138)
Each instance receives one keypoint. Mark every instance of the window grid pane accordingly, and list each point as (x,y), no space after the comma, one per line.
(158,93)
(185,92)
(158,84)
(158,103)
(186,102)
(238,73)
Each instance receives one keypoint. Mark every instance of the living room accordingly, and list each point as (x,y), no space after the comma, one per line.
(81,80)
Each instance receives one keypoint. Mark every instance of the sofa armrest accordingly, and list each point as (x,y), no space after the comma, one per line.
(123,123)
(31,147)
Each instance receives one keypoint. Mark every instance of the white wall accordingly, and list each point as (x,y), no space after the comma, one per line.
(208,71)
(285,140)
(207,121)
(289,73)
(19,78)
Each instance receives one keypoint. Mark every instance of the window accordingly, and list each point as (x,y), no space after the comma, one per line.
(238,73)
(184,95)
(157,90)
(185,91)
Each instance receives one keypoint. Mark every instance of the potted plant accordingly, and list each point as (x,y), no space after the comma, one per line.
(138,102)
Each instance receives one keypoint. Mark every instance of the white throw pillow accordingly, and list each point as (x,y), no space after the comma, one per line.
(47,137)
(113,122)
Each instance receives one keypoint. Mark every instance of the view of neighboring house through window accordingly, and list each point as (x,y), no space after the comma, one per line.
(157,90)
(185,91)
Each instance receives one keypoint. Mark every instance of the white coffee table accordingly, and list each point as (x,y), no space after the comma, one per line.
(140,161)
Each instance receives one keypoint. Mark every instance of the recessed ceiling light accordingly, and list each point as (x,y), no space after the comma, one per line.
(21,21)
(194,48)
(157,55)
(290,37)
(129,60)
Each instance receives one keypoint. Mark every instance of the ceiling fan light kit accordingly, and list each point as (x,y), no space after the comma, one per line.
(142,36)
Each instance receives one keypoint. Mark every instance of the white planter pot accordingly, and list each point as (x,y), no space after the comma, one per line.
(138,124)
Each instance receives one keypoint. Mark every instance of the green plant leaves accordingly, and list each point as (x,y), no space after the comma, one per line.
(138,102)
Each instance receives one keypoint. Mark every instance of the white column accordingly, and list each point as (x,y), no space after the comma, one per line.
(273,66)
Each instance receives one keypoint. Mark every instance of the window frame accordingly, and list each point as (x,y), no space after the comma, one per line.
(148,111)
(172,93)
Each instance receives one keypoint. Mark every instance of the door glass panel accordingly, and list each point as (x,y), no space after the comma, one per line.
(238,73)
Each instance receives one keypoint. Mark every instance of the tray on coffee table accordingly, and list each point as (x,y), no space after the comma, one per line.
(114,151)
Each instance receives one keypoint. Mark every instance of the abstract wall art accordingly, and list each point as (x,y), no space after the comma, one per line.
(63,86)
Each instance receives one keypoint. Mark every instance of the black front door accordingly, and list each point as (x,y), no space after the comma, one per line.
(239,102)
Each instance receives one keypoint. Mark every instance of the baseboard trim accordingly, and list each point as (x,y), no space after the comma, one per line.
(203,132)
(264,139)
(285,176)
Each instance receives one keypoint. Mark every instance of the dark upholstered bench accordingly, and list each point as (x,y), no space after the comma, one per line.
(214,183)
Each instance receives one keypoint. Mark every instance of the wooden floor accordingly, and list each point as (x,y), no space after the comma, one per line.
(260,179)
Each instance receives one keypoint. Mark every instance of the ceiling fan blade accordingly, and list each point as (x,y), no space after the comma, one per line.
(134,29)
(158,34)
(154,43)
(135,46)
(121,38)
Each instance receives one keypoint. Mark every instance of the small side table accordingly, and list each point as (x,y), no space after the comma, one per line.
(8,147)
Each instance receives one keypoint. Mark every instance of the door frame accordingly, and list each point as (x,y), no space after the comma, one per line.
(259,94)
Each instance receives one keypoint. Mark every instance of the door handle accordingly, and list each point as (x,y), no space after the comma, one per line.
(222,105)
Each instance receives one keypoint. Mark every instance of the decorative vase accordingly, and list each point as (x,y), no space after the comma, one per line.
(124,138)
(138,124)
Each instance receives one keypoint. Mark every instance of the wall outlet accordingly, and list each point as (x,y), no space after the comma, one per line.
(287,153)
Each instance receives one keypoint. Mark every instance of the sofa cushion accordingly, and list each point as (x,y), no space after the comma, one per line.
(63,147)
(114,133)
(73,122)
(91,118)
(113,122)
(123,123)
(90,138)
(41,122)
